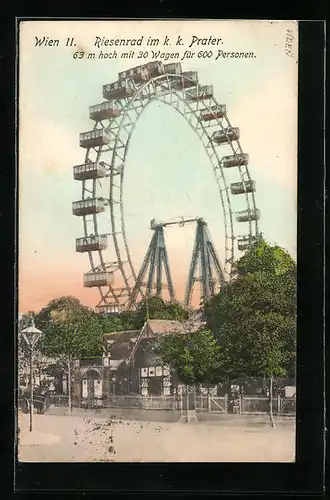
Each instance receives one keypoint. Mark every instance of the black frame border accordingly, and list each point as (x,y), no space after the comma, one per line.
(307,474)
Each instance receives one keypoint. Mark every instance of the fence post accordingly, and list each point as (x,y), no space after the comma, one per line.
(240,403)
(278,404)
(208,402)
(226,403)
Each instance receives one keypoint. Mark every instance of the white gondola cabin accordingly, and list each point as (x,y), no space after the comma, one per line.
(243,187)
(98,278)
(244,242)
(88,207)
(148,92)
(173,68)
(92,243)
(200,93)
(117,90)
(139,74)
(92,170)
(226,135)
(111,308)
(155,68)
(248,215)
(103,111)
(188,79)
(93,138)
(213,113)
(235,160)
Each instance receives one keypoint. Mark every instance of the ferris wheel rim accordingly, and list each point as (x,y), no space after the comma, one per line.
(182,97)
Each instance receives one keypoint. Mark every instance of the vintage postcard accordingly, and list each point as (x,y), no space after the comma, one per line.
(157,165)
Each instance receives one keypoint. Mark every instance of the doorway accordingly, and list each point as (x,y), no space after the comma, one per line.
(155,386)
(91,385)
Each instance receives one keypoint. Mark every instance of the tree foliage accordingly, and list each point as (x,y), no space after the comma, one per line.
(151,308)
(111,323)
(263,257)
(195,356)
(70,331)
(72,334)
(254,317)
(130,320)
(156,308)
(62,305)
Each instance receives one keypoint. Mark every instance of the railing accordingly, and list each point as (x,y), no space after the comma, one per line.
(281,406)
(143,402)
(203,403)
(214,404)
(59,400)
(287,406)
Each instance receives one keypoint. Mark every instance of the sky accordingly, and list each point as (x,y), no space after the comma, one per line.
(167,172)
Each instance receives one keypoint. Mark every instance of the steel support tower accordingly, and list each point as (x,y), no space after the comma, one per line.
(106,143)
(205,265)
(155,264)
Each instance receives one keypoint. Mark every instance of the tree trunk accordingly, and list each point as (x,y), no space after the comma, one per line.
(271,417)
(69,386)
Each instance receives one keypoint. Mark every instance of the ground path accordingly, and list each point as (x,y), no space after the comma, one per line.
(62,438)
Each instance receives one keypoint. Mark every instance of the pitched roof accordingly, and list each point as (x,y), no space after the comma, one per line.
(159,326)
(120,347)
(154,327)
(124,335)
(121,344)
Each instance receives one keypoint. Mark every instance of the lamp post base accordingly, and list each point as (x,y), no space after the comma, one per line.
(31,413)
(189,416)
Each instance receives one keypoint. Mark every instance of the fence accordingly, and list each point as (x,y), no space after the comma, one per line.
(281,406)
(143,402)
(214,404)
(59,400)
(203,403)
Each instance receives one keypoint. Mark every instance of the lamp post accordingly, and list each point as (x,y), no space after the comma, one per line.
(31,335)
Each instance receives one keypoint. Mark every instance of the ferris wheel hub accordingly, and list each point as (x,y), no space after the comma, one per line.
(106,148)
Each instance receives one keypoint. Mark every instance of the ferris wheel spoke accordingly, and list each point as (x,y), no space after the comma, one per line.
(106,157)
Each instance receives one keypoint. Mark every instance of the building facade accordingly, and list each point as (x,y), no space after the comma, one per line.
(129,365)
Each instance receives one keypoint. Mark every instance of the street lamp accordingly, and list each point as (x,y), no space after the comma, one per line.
(31,335)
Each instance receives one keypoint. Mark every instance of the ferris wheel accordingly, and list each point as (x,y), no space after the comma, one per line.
(102,175)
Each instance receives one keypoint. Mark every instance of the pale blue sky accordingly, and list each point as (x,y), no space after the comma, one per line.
(167,171)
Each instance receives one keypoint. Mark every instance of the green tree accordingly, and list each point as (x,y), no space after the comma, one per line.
(195,356)
(176,311)
(152,308)
(54,307)
(110,323)
(156,308)
(71,334)
(263,257)
(130,320)
(254,317)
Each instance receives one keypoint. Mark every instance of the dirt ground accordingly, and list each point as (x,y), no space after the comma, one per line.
(63,438)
